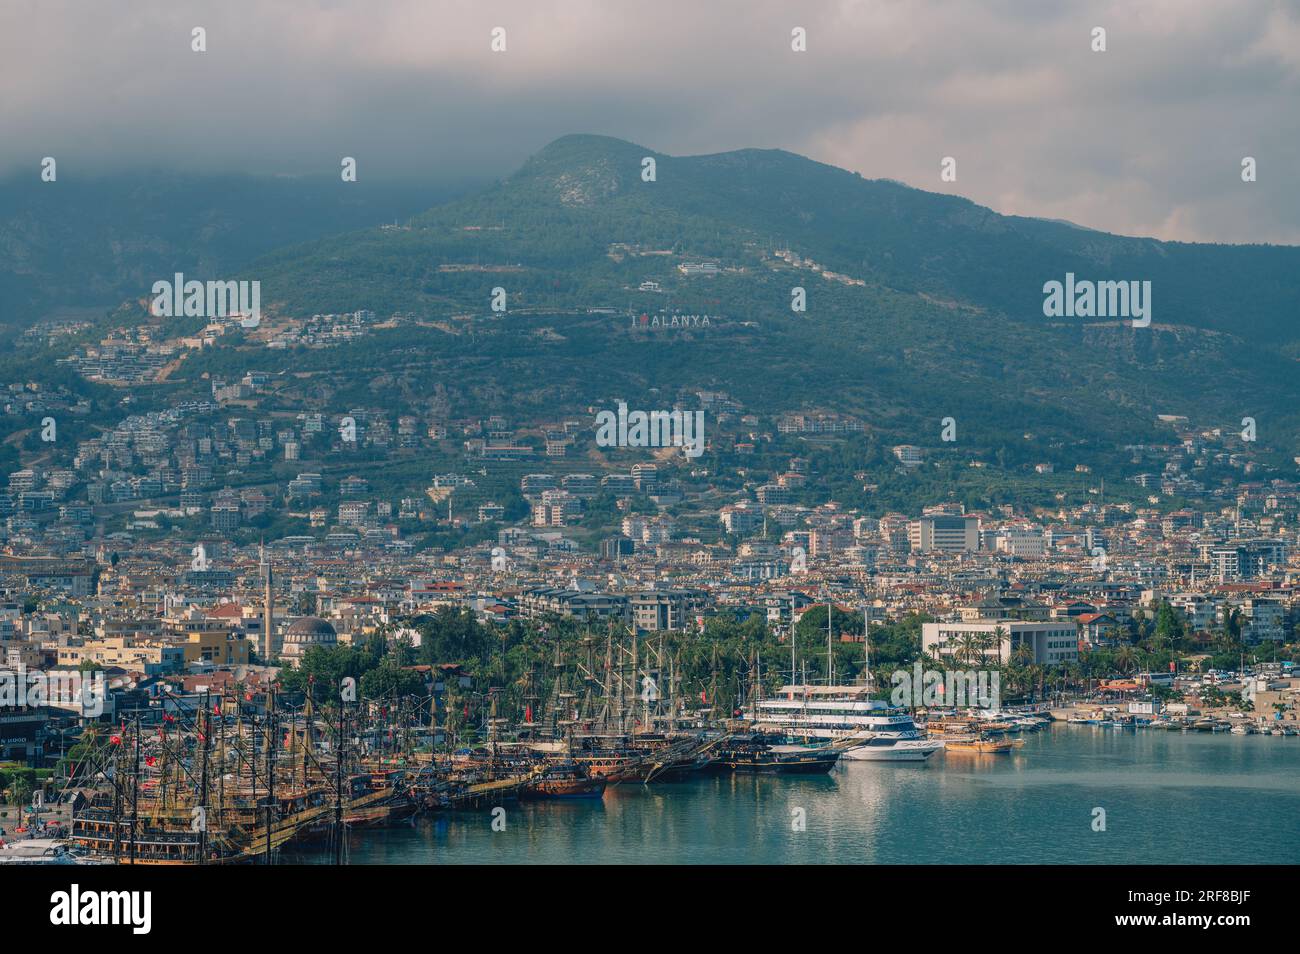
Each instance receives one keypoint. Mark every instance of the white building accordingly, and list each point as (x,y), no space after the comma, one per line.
(1052,643)
(1022,542)
(947,534)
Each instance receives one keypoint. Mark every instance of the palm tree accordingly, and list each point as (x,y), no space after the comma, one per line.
(968,647)
(995,640)
(1023,653)
(1126,658)
(1155,644)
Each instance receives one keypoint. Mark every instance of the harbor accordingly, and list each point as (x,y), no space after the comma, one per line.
(1169,798)
(244,779)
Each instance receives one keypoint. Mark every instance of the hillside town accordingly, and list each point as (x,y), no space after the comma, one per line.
(218,541)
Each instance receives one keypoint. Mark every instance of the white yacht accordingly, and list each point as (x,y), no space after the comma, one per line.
(833,713)
(39,851)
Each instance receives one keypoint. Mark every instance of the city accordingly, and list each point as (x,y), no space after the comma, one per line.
(796,446)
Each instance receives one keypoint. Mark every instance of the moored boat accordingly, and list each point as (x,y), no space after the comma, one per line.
(565,779)
(756,755)
(982,745)
(882,733)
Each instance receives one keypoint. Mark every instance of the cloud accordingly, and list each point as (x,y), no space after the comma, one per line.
(1145,138)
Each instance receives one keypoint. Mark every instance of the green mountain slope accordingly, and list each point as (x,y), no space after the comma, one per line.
(948,320)
(91,242)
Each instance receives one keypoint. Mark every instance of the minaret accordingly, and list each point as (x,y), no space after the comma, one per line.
(269,648)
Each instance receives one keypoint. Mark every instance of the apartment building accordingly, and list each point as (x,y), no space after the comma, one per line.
(1051,643)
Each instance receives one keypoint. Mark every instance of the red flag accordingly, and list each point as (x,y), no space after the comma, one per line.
(703,697)
(528,713)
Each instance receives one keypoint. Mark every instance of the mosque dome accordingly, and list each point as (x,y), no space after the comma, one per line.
(307,632)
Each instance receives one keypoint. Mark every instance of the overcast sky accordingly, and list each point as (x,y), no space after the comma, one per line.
(1144,139)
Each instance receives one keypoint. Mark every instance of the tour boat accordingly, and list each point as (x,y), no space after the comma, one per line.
(841,713)
(754,754)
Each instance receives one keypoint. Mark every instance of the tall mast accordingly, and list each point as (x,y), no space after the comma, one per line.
(270,769)
(135,789)
(203,781)
(221,778)
(632,683)
(117,801)
(794,678)
(830,658)
(866,648)
(338,792)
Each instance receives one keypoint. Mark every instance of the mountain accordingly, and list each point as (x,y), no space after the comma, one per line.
(88,243)
(935,309)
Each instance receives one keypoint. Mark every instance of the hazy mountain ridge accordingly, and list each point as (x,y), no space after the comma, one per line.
(950,313)
(947,319)
(80,242)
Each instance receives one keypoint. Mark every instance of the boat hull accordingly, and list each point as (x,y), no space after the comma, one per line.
(874,753)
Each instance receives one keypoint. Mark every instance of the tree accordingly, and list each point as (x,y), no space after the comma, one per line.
(968,647)
(389,679)
(1023,654)
(1169,623)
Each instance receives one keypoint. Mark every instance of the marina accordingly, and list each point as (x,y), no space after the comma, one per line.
(308,800)
(1168,797)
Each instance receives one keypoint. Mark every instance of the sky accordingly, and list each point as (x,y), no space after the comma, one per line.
(1146,138)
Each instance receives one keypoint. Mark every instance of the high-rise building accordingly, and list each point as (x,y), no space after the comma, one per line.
(944,533)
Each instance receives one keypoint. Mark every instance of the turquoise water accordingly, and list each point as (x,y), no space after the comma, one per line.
(1169,798)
